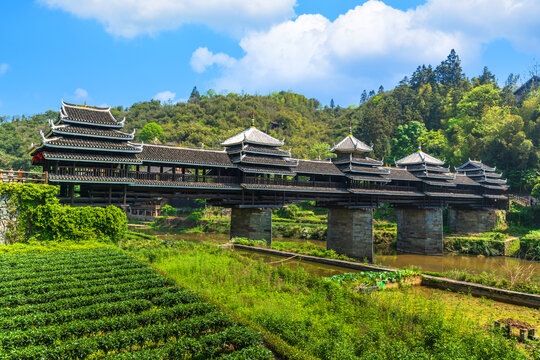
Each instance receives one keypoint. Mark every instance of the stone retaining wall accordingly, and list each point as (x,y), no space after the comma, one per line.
(467,221)
(502,295)
(7,220)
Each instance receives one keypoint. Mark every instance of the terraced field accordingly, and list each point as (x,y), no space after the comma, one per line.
(104,303)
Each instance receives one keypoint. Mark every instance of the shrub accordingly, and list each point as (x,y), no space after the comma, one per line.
(288,211)
(529,247)
(524,216)
(56,222)
(42,218)
(168,210)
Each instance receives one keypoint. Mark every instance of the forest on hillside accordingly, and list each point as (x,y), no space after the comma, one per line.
(453,117)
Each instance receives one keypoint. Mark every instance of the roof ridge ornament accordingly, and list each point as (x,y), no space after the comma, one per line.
(252,118)
(51,123)
(350,129)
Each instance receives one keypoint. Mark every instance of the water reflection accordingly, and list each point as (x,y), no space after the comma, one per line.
(498,265)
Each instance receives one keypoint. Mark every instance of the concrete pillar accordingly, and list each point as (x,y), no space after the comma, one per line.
(253,224)
(469,221)
(420,231)
(350,232)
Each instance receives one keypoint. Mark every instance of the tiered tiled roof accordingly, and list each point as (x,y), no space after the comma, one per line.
(352,162)
(67,129)
(88,115)
(254,151)
(483,174)
(87,134)
(428,168)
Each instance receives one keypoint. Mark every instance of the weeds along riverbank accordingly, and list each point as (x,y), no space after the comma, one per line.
(520,276)
(304,316)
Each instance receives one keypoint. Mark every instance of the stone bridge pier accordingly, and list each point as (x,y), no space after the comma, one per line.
(420,231)
(350,232)
(469,221)
(252,223)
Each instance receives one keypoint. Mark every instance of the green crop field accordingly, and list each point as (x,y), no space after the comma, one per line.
(104,303)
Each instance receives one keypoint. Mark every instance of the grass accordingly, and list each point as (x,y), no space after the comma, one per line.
(480,310)
(519,279)
(304,316)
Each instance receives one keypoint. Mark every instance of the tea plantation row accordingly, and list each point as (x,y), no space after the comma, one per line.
(103,303)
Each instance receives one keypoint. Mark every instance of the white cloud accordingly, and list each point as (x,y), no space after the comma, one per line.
(80,94)
(165,96)
(202,58)
(4,68)
(129,18)
(373,44)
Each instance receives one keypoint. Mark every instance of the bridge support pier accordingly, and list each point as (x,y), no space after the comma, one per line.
(420,231)
(350,232)
(253,224)
(468,221)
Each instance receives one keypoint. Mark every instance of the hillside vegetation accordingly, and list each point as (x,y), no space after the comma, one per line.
(454,117)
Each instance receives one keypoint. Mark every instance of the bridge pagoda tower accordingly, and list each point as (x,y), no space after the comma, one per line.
(350,229)
(86,139)
(261,161)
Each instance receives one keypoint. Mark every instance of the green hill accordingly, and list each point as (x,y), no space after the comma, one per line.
(453,117)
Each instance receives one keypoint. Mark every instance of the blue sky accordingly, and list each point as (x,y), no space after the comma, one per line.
(118,52)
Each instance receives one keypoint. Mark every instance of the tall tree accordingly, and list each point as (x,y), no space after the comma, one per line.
(485,78)
(406,139)
(151,132)
(195,97)
(332,104)
(449,72)
(363,97)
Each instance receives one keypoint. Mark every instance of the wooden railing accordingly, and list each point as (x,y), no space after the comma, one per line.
(20,176)
(291,182)
(143,175)
(178,177)
(523,199)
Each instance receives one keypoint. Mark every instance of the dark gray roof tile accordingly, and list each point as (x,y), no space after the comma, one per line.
(186,156)
(88,115)
(124,158)
(81,143)
(317,167)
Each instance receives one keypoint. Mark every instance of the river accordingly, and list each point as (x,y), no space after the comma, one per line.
(503,266)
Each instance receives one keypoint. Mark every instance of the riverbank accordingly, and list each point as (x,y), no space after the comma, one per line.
(309,316)
(440,282)
(522,277)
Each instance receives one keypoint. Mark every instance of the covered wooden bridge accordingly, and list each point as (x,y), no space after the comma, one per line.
(96,163)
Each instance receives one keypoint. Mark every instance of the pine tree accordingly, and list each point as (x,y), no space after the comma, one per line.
(332,105)
(449,72)
(195,97)
(363,97)
(486,78)
(381,89)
